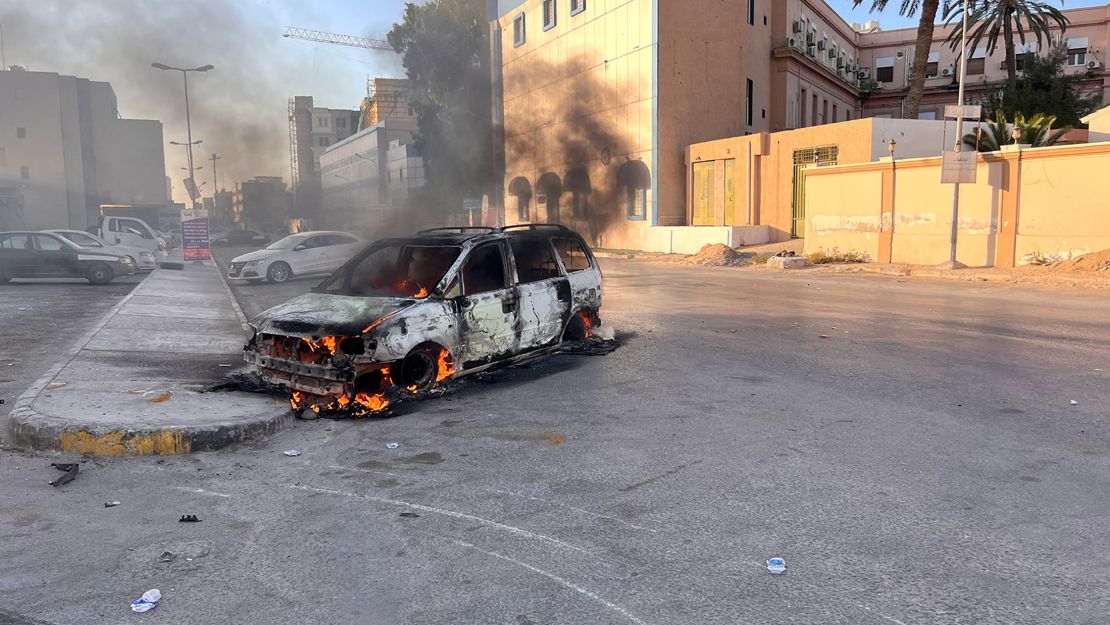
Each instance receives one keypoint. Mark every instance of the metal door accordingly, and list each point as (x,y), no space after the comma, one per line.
(819,156)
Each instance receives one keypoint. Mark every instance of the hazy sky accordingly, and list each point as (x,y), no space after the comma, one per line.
(239,109)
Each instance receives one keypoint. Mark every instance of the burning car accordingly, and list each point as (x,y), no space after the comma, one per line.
(408,313)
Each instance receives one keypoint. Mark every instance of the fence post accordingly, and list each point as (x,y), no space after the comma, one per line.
(1006,251)
(886,219)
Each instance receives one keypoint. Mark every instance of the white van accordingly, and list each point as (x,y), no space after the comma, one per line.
(131,231)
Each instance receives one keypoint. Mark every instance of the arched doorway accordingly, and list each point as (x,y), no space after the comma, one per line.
(578,184)
(634,180)
(521,189)
(549,189)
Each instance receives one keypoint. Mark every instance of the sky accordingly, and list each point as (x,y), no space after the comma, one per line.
(239,109)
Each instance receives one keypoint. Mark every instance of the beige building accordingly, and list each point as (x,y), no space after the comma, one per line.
(600,100)
(65,151)
(387,99)
(262,203)
(312,130)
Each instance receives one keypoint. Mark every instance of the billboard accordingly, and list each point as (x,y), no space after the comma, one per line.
(194,234)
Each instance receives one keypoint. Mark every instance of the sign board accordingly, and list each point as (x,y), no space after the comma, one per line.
(959,167)
(191,187)
(970,111)
(194,234)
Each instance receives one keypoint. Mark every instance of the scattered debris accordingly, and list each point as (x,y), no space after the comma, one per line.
(777,566)
(224,365)
(717,255)
(1074,403)
(55,386)
(824,336)
(786,254)
(111,504)
(148,601)
(70,473)
(392,445)
(249,382)
(189,518)
(160,397)
(292,453)
(166,557)
(554,438)
(591,346)
(410,515)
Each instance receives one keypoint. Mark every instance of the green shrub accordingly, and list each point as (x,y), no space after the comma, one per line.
(835,256)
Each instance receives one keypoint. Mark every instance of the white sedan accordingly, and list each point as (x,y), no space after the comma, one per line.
(302,254)
(143,259)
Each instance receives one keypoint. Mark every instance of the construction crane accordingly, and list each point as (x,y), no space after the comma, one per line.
(339,40)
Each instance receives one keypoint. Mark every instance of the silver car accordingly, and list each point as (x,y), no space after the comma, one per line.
(144,260)
(405,314)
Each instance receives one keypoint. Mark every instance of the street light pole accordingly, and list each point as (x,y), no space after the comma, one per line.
(215,185)
(188,116)
(954,232)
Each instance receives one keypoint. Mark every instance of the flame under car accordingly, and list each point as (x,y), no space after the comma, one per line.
(409,313)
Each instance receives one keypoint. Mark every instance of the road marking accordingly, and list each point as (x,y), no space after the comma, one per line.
(570,507)
(566,584)
(450,513)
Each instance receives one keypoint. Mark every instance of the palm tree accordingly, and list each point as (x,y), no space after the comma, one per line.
(1036,131)
(991,19)
(925,25)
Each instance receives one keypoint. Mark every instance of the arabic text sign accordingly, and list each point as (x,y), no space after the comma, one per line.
(959,167)
(194,234)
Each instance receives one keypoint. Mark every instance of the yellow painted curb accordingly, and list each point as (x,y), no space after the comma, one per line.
(125,443)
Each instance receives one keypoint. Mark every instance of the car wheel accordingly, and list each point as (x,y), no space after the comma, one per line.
(99,273)
(576,329)
(419,369)
(279,272)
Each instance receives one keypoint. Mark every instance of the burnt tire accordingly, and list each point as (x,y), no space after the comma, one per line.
(279,272)
(419,369)
(576,329)
(99,273)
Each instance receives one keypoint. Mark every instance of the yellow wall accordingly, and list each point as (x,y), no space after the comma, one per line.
(1046,192)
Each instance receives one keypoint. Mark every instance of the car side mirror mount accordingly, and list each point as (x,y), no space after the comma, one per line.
(299,248)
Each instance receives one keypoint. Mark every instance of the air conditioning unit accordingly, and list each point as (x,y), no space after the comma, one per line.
(797,26)
(1002,65)
(811,50)
(832,53)
(901,55)
(864,73)
(946,71)
(820,45)
(840,64)
(1093,64)
(811,37)
(792,42)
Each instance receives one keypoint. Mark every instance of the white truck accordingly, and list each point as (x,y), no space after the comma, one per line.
(131,231)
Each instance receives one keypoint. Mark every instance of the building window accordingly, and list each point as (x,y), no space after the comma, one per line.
(21,133)
(932,69)
(25,172)
(813,112)
(548,14)
(518,31)
(577,6)
(634,179)
(802,105)
(884,69)
(976,67)
(751,12)
(340,122)
(834,113)
(824,111)
(751,93)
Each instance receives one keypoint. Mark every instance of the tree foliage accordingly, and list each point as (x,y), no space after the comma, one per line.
(1037,131)
(444,46)
(926,25)
(1044,87)
(992,20)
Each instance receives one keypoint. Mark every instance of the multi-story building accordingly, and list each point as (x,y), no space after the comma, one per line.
(368,176)
(65,152)
(387,99)
(312,130)
(263,203)
(600,99)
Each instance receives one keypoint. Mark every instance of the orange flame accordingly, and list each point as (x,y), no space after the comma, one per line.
(589,323)
(422,293)
(375,403)
(296,399)
(330,343)
(446,367)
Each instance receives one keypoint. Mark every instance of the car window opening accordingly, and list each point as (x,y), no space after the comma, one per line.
(535,260)
(395,271)
(573,255)
(484,270)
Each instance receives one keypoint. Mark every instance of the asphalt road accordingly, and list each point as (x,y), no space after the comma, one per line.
(255,297)
(41,319)
(909,447)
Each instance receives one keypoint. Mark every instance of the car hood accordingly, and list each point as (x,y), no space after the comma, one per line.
(324,314)
(257,255)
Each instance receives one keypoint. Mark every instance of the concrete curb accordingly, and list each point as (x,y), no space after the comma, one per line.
(29,428)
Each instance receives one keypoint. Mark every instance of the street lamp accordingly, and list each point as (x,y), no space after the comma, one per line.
(188,120)
(1016,134)
(891,146)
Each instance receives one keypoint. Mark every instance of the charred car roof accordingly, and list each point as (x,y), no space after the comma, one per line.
(475,235)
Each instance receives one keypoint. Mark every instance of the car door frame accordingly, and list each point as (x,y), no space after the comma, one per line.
(305,261)
(547,301)
(20,259)
(61,263)
(339,253)
(488,322)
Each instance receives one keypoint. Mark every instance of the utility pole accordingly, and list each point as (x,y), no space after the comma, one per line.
(215,186)
(188,119)
(3,57)
(954,233)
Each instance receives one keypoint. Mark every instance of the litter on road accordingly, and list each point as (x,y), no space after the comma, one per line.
(1074,403)
(148,601)
(166,557)
(392,445)
(293,453)
(67,477)
(189,518)
(410,515)
(777,566)
(111,504)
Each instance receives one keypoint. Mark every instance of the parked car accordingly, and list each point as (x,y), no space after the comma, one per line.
(144,260)
(405,314)
(241,237)
(302,254)
(48,255)
(130,231)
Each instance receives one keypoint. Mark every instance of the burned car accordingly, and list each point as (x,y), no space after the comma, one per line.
(408,313)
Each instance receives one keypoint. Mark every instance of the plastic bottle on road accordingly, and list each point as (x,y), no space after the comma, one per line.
(148,601)
(777,566)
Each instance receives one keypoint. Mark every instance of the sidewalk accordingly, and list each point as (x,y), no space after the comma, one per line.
(132,385)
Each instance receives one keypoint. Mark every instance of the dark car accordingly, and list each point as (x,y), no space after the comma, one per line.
(241,237)
(47,255)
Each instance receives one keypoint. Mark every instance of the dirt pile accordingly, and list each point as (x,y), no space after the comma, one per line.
(1095,261)
(717,255)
